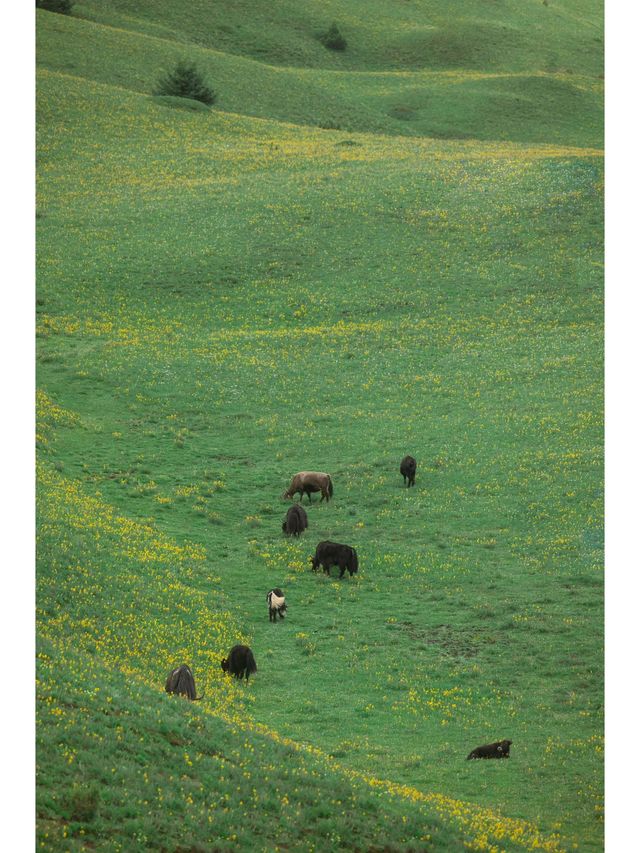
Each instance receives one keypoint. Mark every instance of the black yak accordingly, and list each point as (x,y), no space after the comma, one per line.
(499,749)
(182,683)
(408,470)
(296,521)
(276,604)
(333,554)
(307,482)
(240,662)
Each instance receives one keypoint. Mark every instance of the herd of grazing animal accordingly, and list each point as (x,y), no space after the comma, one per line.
(241,662)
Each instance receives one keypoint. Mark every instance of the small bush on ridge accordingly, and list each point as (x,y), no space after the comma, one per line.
(61,6)
(185,81)
(333,38)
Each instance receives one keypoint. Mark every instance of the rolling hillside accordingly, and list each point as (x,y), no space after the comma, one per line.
(502,77)
(351,256)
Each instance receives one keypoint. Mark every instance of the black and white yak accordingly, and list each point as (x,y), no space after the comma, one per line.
(296,521)
(306,482)
(240,662)
(276,604)
(499,749)
(333,554)
(408,470)
(181,682)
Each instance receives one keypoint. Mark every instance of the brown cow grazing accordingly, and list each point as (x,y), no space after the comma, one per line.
(296,521)
(333,554)
(499,749)
(182,683)
(306,482)
(408,470)
(240,662)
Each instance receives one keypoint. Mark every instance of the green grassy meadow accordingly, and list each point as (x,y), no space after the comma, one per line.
(350,257)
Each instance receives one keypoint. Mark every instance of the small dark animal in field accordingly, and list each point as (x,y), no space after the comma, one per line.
(499,749)
(182,683)
(333,554)
(276,603)
(306,482)
(296,521)
(240,662)
(408,470)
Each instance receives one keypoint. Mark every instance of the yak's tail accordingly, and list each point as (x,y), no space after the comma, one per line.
(355,559)
(198,698)
(330,488)
(251,662)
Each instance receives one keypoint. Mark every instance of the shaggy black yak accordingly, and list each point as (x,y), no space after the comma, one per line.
(408,470)
(182,683)
(499,749)
(240,662)
(296,521)
(333,554)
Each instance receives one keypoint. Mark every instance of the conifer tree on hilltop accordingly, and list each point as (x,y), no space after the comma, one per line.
(185,81)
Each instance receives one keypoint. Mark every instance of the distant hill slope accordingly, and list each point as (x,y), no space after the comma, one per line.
(498,35)
(525,80)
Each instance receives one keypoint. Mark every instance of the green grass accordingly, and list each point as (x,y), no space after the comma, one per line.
(179,776)
(229,295)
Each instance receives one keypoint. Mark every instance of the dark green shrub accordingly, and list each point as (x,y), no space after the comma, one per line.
(329,125)
(83,803)
(333,38)
(185,81)
(61,6)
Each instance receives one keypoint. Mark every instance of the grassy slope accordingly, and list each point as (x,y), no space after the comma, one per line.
(180,777)
(492,101)
(192,269)
(503,35)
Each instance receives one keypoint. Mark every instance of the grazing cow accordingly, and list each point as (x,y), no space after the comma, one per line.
(240,662)
(182,683)
(296,521)
(408,470)
(307,482)
(276,604)
(333,554)
(499,749)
